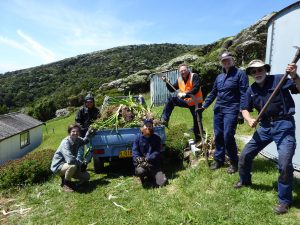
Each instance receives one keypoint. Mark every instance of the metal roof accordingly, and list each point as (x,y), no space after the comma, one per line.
(283,11)
(15,123)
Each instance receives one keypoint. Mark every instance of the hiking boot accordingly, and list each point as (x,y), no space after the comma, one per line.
(241,184)
(165,123)
(281,208)
(232,169)
(62,182)
(216,165)
(68,186)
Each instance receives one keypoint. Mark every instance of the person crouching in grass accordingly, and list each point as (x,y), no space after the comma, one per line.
(68,160)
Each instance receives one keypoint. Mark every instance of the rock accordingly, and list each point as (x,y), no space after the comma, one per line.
(187,58)
(62,112)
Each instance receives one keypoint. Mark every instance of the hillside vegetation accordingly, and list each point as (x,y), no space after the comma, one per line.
(63,83)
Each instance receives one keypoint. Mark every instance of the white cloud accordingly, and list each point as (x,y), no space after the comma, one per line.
(78,29)
(15,44)
(46,54)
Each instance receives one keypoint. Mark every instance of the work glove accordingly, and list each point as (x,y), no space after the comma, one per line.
(164,78)
(181,95)
(83,167)
(200,110)
(240,119)
(140,159)
(91,132)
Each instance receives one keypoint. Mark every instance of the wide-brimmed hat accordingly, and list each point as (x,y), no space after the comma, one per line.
(256,63)
(226,55)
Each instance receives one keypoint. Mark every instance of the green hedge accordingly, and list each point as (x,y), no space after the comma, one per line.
(32,168)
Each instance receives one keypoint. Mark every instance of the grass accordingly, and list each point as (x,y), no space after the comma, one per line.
(194,195)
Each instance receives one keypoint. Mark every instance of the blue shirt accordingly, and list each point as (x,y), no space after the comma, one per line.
(230,91)
(148,147)
(282,103)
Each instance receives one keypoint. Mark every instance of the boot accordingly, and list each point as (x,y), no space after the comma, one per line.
(216,165)
(281,208)
(68,186)
(62,181)
(241,184)
(232,169)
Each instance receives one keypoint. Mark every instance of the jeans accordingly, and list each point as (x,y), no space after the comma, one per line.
(224,129)
(175,101)
(282,132)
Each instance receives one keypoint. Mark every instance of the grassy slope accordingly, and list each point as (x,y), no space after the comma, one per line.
(194,195)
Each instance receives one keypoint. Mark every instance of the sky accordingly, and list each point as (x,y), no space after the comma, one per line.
(36,32)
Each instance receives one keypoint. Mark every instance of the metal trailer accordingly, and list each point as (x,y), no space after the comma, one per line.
(283,34)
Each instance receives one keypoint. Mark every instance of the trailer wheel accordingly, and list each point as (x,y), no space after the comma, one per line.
(98,165)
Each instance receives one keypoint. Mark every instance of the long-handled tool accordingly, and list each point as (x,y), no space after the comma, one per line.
(263,110)
(199,122)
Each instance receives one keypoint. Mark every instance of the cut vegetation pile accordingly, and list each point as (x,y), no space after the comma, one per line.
(123,113)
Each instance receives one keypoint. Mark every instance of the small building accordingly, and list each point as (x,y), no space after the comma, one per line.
(283,34)
(19,134)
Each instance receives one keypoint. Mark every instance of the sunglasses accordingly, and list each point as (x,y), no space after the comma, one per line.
(259,70)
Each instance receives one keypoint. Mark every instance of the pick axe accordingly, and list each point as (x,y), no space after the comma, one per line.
(279,85)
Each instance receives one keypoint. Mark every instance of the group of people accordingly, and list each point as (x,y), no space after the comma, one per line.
(235,99)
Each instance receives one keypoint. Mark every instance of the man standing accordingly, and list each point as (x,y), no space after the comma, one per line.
(146,153)
(229,89)
(188,84)
(87,114)
(277,124)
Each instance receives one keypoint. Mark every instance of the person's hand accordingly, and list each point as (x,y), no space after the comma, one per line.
(240,119)
(91,132)
(201,109)
(181,95)
(83,167)
(140,160)
(165,79)
(252,122)
(292,70)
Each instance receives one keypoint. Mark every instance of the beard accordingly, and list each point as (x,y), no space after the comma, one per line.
(147,132)
(259,81)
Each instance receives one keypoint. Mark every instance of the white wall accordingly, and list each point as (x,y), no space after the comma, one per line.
(10,147)
(283,34)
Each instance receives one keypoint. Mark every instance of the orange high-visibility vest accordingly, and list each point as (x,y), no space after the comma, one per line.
(188,86)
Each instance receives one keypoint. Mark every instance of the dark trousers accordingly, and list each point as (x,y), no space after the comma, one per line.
(224,129)
(175,101)
(282,132)
(154,173)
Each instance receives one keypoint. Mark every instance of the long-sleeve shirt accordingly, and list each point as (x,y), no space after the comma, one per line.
(230,91)
(85,117)
(282,103)
(70,152)
(148,147)
(195,81)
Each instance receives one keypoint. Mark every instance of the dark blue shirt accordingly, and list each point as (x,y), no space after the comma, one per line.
(230,91)
(147,147)
(282,103)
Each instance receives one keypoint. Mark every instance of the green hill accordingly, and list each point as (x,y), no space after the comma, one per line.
(68,78)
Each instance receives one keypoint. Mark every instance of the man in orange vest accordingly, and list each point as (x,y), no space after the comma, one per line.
(188,83)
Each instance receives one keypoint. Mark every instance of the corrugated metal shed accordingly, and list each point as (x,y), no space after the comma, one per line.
(15,123)
(283,34)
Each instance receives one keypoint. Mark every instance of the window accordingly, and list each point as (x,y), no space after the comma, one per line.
(24,139)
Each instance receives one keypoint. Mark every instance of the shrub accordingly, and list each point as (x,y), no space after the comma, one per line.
(176,141)
(32,168)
